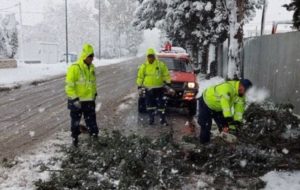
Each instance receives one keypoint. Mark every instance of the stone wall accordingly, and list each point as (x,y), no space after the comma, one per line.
(8,63)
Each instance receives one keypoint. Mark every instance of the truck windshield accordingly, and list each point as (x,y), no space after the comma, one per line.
(177,64)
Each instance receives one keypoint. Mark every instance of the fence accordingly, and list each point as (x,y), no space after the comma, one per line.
(272,62)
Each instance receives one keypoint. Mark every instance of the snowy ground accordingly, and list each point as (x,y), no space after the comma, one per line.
(26,73)
(26,168)
(282,180)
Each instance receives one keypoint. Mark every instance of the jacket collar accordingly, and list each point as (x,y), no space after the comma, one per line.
(235,84)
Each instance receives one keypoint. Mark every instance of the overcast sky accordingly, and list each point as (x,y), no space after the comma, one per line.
(275,12)
(32,10)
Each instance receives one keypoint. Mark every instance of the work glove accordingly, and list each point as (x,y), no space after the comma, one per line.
(141,90)
(231,121)
(169,90)
(76,103)
(228,119)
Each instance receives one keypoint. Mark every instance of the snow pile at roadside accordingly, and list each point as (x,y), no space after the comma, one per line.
(26,73)
(20,173)
(282,180)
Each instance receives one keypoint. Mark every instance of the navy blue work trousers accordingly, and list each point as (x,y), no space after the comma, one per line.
(88,111)
(155,101)
(205,117)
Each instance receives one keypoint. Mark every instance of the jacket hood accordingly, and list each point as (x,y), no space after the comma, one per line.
(150,51)
(86,51)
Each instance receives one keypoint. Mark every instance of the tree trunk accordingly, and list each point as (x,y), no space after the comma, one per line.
(195,55)
(204,62)
(236,16)
(211,57)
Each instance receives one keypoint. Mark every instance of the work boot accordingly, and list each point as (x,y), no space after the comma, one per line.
(163,121)
(75,142)
(151,120)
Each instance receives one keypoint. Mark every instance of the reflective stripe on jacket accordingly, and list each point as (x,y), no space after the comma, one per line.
(224,97)
(153,75)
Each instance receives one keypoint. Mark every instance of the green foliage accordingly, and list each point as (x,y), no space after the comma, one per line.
(115,161)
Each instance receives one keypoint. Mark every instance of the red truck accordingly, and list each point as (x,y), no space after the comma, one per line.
(183,82)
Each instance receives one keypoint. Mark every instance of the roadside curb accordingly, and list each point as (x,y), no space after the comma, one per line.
(15,86)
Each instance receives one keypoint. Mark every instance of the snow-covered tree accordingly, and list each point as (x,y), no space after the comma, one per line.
(82,28)
(186,23)
(239,12)
(295,6)
(198,23)
(120,38)
(8,36)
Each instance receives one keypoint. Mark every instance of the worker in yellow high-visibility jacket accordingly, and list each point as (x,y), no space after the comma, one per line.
(153,75)
(225,103)
(81,90)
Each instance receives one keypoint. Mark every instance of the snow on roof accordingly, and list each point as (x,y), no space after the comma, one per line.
(174,55)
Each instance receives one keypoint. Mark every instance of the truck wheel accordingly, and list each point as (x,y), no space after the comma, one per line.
(142,105)
(192,108)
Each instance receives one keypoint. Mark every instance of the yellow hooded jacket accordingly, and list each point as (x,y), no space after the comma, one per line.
(224,97)
(81,79)
(153,75)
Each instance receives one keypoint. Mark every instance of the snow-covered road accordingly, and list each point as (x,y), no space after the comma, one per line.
(32,113)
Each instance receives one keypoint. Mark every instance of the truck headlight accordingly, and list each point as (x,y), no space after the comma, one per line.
(191,84)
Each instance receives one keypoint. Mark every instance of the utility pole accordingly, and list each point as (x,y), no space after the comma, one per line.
(67,50)
(99,29)
(263,18)
(21,32)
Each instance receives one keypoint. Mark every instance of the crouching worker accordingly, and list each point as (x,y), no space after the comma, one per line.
(81,90)
(153,75)
(225,103)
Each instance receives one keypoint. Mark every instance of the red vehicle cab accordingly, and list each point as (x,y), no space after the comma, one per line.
(183,80)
